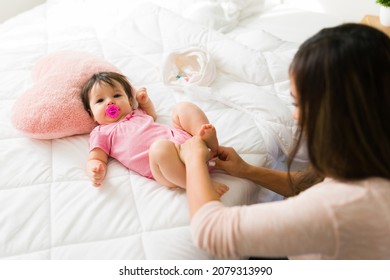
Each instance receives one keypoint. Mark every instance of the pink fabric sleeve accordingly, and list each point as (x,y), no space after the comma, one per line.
(97,139)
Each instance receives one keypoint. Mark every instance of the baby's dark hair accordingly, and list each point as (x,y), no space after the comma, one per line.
(108,78)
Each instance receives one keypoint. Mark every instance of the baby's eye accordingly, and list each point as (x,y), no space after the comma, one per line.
(117,95)
(100,100)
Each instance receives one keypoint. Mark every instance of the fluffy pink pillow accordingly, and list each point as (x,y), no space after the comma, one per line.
(52,107)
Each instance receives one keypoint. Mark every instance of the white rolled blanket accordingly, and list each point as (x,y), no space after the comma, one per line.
(192,66)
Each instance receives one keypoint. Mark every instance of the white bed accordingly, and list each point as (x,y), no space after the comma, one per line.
(48,208)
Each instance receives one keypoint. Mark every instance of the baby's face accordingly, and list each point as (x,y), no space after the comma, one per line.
(103,95)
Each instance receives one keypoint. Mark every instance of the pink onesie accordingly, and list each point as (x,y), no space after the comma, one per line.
(129,140)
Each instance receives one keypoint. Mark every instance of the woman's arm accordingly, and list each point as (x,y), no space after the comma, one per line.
(268,229)
(200,190)
(274,180)
(194,154)
(145,103)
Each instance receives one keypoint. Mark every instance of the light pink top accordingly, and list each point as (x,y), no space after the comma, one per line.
(129,140)
(331,220)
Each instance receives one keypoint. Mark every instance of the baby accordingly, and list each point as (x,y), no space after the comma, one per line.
(132,136)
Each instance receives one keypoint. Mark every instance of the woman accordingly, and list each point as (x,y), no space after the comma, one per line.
(340,81)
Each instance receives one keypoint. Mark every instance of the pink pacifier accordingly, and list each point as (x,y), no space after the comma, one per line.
(112,111)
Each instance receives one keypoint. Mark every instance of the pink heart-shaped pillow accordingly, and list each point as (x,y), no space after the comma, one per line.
(52,107)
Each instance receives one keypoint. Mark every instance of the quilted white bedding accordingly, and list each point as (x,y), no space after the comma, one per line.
(49,209)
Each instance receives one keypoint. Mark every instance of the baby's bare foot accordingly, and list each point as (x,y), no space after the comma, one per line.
(208,133)
(220,188)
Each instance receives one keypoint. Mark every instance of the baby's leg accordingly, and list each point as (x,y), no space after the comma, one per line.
(191,118)
(168,169)
(165,164)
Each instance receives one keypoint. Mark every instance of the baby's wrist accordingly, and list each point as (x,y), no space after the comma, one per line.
(144,101)
(96,159)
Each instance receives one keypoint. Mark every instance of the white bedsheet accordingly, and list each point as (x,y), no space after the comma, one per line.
(48,208)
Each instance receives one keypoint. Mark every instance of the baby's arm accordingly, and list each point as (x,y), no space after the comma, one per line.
(97,166)
(145,103)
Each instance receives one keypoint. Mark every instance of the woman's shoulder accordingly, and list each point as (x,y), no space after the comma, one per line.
(351,190)
(368,183)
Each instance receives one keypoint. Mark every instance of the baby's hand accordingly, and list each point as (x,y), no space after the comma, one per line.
(96,171)
(142,96)
(145,103)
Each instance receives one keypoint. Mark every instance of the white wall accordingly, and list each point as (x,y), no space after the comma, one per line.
(348,10)
(10,8)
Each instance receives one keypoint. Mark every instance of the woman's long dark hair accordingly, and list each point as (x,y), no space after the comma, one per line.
(342,80)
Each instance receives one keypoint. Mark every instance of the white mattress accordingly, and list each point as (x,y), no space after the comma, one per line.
(48,208)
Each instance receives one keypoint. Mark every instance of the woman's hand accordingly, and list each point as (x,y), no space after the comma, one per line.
(229,160)
(194,148)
